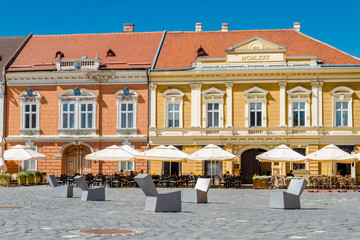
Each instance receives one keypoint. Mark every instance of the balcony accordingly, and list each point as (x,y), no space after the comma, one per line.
(78,64)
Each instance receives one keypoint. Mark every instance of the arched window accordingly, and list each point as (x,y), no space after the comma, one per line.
(30,112)
(173,108)
(213,113)
(127,100)
(342,106)
(77,112)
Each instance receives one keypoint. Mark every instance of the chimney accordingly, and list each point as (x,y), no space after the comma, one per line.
(198,27)
(297,26)
(224,27)
(129,27)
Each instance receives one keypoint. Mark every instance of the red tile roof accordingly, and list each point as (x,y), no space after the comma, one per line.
(179,48)
(132,50)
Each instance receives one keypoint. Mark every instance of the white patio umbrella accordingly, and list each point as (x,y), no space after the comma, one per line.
(163,153)
(113,153)
(331,154)
(281,153)
(22,153)
(131,150)
(211,153)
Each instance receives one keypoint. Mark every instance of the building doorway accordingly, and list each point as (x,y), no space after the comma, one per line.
(171,168)
(75,160)
(250,165)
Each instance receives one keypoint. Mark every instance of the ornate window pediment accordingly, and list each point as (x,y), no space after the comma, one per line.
(127,94)
(77,94)
(255,93)
(342,92)
(299,92)
(213,93)
(30,96)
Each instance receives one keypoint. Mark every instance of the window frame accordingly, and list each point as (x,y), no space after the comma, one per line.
(173,96)
(121,98)
(342,94)
(33,99)
(255,95)
(83,97)
(298,94)
(34,148)
(212,95)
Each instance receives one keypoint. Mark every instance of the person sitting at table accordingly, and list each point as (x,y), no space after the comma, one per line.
(122,173)
(290,174)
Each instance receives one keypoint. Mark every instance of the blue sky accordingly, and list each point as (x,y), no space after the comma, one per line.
(334,22)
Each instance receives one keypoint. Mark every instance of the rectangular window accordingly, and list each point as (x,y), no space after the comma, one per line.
(86,115)
(213,168)
(299,166)
(213,114)
(174,115)
(255,114)
(30,116)
(126,115)
(298,114)
(68,115)
(126,166)
(342,111)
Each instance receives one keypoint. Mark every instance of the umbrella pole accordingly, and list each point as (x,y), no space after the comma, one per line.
(113,167)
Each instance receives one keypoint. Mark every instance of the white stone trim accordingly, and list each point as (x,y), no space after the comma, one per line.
(119,100)
(195,105)
(229,104)
(213,95)
(152,105)
(282,85)
(342,94)
(173,96)
(255,94)
(26,100)
(299,94)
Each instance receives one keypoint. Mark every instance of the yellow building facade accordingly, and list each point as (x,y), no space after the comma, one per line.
(249,96)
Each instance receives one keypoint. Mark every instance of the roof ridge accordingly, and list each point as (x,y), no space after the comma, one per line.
(328,45)
(86,34)
(219,31)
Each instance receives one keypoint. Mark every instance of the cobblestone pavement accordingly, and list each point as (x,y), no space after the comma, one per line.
(230,214)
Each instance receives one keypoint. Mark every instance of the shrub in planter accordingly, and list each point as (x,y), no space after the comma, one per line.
(37,177)
(5,179)
(260,182)
(21,178)
(29,178)
(43,177)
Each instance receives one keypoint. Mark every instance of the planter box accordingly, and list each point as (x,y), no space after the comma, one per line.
(21,181)
(30,180)
(260,184)
(37,179)
(4,182)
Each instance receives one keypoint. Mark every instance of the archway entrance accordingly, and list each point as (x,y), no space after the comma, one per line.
(75,160)
(250,165)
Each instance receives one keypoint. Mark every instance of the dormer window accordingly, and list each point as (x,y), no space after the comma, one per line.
(59,55)
(110,53)
(201,52)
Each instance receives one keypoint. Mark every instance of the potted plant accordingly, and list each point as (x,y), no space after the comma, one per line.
(5,179)
(21,178)
(260,182)
(37,177)
(29,178)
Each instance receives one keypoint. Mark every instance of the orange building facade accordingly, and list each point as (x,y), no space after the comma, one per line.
(70,95)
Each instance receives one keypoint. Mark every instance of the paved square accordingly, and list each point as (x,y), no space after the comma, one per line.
(230,214)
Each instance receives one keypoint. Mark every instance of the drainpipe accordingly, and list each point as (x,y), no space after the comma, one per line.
(149,91)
